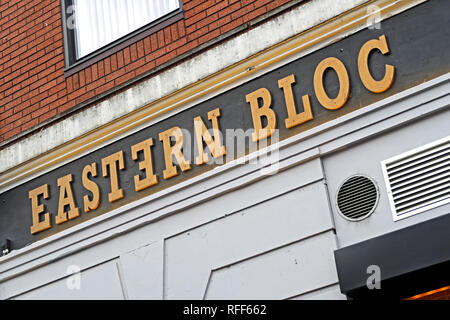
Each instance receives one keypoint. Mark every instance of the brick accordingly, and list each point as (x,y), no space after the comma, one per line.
(219,23)
(145,67)
(126,56)
(22,106)
(229,9)
(22,120)
(276,4)
(231,25)
(189,46)
(160,36)
(7,128)
(219,6)
(134,65)
(191,4)
(76,94)
(159,53)
(88,75)
(47,101)
(48,115)
(208,20)
(174,32)
(13,118)
(195,18)
(176,44)
(95,84)
(239,13)
(115,74)
(39,112)
(34,100)
(104,87)
(147,46)
(166,58)
(69,83)
(107,65)
(57,88)
(94,72)
(88,95)
(113,63)
(167,36)
(255,13)
(133,52)
(140,49)
(101,69)
(181,28)
(29,125)
(11,133)
(154,42)
(197,34)
(6,114)
(124,78)
(67,106)
(21,92)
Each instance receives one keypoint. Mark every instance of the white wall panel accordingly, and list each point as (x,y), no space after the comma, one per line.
(192,255)
(100,282)
(142,271)
(278,274)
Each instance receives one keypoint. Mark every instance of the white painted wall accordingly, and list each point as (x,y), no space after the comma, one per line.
(100,282)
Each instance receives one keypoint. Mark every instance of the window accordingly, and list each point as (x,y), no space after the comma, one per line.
(96,27)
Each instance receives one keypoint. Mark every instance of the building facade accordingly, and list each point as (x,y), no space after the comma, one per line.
(224,149)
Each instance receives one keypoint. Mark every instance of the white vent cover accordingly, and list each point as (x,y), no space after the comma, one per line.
(418,180)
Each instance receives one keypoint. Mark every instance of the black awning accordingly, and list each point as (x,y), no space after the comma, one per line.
(411,261)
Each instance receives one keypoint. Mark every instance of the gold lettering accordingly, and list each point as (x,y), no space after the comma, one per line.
(363,66)
(147,165)
(294,118)
(202,134)
(174,150)
(37,209)
(66,199)
(259,112)
(90,186)
(344,83)
(111,162)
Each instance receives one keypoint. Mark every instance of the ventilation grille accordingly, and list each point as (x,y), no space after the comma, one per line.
(357,197)
(418,180)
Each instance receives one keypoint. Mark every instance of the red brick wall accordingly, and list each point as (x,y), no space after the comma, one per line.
(33,87)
